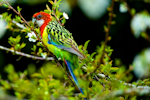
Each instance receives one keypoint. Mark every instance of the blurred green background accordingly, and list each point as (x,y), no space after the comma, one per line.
(86,21)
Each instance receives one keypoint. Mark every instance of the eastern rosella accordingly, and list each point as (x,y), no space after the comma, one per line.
(59,41)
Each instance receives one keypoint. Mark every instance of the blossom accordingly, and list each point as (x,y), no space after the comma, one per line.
(65,6)
(141,64)
(139,23)
(94,9)
(65,15)
(3,24)
(32,37)
(123,8)
(44,54)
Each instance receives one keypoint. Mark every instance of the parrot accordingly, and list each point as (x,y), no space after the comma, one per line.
(59,41)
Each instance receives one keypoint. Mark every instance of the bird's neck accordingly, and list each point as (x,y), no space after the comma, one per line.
(42,27)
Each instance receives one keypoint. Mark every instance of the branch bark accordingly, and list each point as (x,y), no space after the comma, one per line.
(25,55)
(131,90)
(121,92)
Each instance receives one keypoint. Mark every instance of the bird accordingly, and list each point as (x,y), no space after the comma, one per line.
(59,41)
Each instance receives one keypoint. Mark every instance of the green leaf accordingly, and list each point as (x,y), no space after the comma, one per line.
(17,39)
(56,94)
(48,9)
(133,11)
(63,21)
(40,44)
(106,68)
(5,5)
(38,75)
(86,44)
(55,6)
(31,68)
(23,45)
(26,30)
(19,95)
(42,71)
(51,2)
(10,40)
(7,17)
(9,68)
(72,98)
(144,35)
(33,48)
(113,22)
(40,50)
(5,84)
(105,28)
(17,46)
(19,9)
(37,30)
(43,83)
(59,14)
(114,69)
(4,15)
(92,55)
(17,18)
(133,98)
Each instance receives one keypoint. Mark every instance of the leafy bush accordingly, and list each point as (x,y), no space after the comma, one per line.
(98,77)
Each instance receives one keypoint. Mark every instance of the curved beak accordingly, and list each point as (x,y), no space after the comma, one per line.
(33,20)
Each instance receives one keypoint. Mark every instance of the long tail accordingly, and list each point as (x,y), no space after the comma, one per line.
(73,76)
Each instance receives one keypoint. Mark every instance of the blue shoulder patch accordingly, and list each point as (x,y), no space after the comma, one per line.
(49,38)
(55,44)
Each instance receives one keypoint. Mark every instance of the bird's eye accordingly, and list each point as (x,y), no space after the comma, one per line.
(39,16)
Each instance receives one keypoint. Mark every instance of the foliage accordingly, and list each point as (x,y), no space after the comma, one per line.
(97,75)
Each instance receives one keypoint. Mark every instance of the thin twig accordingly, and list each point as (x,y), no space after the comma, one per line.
(18,13)
(99,80)
(25,55)
(56,18)
(122,92)
(10,7)
(32,29)
(106,36)
(132,90)
(103,76)
(129,10)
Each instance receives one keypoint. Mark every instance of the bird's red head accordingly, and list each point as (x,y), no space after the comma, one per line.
(41,19)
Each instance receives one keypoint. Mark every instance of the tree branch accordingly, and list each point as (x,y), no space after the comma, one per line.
(56,18)
(121,92)
(106,36)
(133,90)
(124,83)
(25,55)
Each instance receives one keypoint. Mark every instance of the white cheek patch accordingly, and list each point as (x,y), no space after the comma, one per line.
(40,22)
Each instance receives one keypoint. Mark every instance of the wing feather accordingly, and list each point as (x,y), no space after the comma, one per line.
(62,38)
